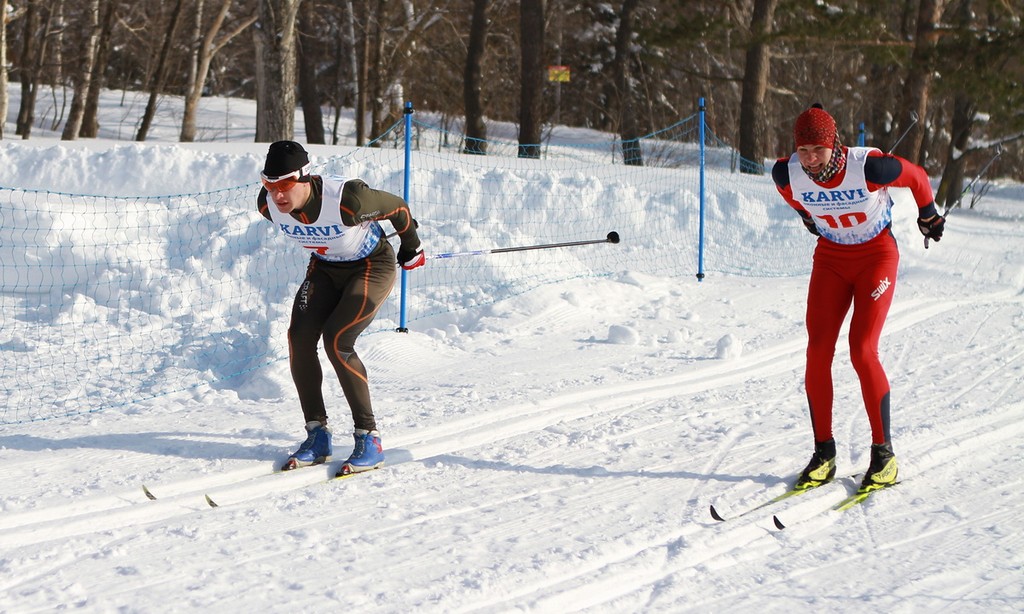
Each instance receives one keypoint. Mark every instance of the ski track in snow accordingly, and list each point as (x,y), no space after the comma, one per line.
(641,563)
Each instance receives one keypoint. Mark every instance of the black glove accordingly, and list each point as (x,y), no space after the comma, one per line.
(809,223)
(932,227)
(411,258)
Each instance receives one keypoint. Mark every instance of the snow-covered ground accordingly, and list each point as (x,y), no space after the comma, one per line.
(554,451)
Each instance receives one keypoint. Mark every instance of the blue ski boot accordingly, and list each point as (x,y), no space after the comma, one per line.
(367,453)
(315,450)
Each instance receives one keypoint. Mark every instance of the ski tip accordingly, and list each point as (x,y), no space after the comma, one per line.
(148,494)
(715,514)
(778,523)
(347,471)
(211,502)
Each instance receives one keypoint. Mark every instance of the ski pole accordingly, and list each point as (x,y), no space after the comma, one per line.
(613,237)
(999,151)
(913,120)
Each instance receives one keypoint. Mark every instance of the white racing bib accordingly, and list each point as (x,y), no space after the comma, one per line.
(849,213)
(327,237)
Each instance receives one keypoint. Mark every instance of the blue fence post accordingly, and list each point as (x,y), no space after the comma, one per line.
(700,239)
(402,303)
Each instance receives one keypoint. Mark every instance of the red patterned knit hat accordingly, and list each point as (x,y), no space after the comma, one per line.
(815,127)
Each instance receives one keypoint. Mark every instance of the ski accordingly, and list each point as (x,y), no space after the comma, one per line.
(860,496)
(343,474)
(152,497)
(291,464)
(792,492)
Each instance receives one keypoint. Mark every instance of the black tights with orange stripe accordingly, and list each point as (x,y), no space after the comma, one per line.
(336,302)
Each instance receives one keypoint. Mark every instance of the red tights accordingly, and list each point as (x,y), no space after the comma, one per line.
(864,275)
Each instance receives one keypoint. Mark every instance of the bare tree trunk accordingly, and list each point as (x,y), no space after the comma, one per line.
(274,37)
(195,45)
(952,183)
(629,131)
(965,108)
(3,66)
(90,121)
(347,91)
(159,73)
(309,93)
(82,75)
(394,29)
(914,100)
(361,81)
(476,129)
(531,87)
(30,45)
(205,50)
(38,19)
(755,84)
(376,49)
(56,63)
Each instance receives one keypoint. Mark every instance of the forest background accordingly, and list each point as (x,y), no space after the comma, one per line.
(940,82)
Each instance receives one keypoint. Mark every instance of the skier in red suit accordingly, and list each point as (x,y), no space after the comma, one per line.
(841,195)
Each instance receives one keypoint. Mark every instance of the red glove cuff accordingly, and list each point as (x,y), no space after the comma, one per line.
(417,260)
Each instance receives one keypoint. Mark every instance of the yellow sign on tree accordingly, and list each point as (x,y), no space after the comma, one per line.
(558,74)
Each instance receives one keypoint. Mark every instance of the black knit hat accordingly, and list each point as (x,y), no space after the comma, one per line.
(285,157)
